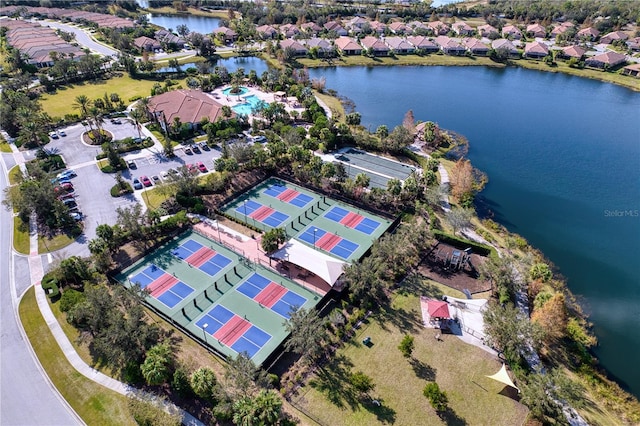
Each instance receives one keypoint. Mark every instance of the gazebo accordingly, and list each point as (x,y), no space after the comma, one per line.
(438,309)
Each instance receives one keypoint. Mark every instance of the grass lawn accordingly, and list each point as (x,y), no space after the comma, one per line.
(15,175)
(21,236)
(154,197)
(457,367)
(61,103)
(334,105)
(93,402)
(46,245)
(4,145)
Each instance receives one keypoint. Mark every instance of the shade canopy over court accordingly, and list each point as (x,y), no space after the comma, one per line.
(326,267)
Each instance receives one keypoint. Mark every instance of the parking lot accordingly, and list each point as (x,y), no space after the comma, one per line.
(92,187)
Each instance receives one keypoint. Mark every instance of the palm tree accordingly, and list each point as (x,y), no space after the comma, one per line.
(83,103)
(137,115)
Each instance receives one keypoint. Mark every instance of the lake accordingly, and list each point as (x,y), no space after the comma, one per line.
(198,24)
(563,158)
(232,64)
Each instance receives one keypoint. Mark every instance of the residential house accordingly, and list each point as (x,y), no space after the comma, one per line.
(335,27)
(476,47)
(311,28)
(289,30)
(146,44)
(449,46)
(487,30)
(606,60)
(561,29)
(511,31)
(536,30)
(613,36)
(398,27)
(266,32)
(322,46)
(399,45)
(439,27)
(418,27)
(588,33)
(502,44)
(348,46)
(632,70)
(378,27)
(462,28)
(634,43)
(190,106)
(227,35)
(536,50)
(356,24)
(295,46)
(423,43)
(165,37)
(571,52)
(375,46)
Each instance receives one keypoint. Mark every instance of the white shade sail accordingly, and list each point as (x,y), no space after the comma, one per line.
(503,377)
(326,267)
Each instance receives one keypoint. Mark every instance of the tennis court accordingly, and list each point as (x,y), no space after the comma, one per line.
(204,258)
(161,285)
(376,164)
(289,195)
(272,295)
(329,242)
(352,220)
(190,288)
(233,331)
(262,213)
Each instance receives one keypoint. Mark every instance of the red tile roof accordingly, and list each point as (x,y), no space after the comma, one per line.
(190,105)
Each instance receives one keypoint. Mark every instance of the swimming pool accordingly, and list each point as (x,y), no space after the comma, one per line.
(250,104)
(227,91)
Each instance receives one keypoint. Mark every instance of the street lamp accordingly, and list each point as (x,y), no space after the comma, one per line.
(314,237)
(204,332)
(245,211)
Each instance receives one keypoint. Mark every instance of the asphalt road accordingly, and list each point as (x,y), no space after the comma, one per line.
(82,37)
(26,395)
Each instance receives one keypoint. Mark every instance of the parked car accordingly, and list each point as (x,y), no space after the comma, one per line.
(204,146)
(137,184)
(172,171)
(63,188)
(66,174)
(132,164)
(196,149)
(164,175)
(145,181)
(77,216)
(155,178)
(71,203)
(201,167)
(63,180)
(116,121)
(188,151)
(53,135)
(62,133)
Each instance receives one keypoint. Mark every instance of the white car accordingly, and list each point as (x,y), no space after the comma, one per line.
(164,175)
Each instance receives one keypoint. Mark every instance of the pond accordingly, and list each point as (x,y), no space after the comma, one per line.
(231,64)
(198,24)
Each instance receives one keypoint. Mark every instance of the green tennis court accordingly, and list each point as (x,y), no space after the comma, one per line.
(217,296)
(336,228)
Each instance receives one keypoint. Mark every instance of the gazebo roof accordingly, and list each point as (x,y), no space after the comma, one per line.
(438,309)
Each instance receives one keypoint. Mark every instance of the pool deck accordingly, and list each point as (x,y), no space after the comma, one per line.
(290,103)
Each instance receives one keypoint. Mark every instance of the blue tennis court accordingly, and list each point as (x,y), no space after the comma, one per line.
(275,219)
(367,226)
(336,214)
(248,207)
(251,341)
(363,224)
(343,248)
(176,294)
(147,276)
(275,190)
(215,264)
(296,198)
(214,319)
(288,303)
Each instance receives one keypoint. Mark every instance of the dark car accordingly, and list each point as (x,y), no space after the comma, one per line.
(137,184)
(196,149)
(70,203)
(204,146)
(145,181)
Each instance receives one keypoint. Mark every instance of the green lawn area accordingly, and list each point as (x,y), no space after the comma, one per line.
(154,197)
(46,245)
(61,103)
(4,145)
(20,236)
(94,403)
(15,174)
(457,367)
(334,105)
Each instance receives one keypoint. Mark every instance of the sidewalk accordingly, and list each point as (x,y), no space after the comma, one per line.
(37,272)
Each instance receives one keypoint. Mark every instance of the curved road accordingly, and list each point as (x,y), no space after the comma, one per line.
(26,395)
(82,37)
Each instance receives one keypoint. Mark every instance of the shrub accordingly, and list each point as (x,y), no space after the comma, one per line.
(541,272)
(50,286)
(436,397)
(203,382)
(181,383)
(118,191)
(406,345)
(70,298)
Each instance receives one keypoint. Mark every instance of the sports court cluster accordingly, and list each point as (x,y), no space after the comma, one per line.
(232,304)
